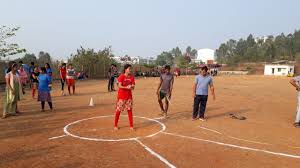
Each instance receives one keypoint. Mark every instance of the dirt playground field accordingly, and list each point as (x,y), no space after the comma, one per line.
(76,135)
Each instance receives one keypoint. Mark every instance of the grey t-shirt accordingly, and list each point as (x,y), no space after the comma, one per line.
(167,80)
(297,79)
(202,83)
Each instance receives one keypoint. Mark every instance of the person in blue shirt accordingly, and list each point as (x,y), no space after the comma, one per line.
(32,67)
(25,66)
(44,89)
(31,70)
(48,70)
(203,81)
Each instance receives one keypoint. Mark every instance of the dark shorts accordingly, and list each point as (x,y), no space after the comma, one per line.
(162,95)
(36,84)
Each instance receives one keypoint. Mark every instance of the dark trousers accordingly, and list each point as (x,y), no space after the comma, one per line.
(199,101)
(43,105)
(111,83)
(62,81)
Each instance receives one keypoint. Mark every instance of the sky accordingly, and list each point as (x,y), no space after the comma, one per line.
(143,27)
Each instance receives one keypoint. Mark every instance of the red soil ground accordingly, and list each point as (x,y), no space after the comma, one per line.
(269,103)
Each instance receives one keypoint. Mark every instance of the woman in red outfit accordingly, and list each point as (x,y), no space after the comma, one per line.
(124,102)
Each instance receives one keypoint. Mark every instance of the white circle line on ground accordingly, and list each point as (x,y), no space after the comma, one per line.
(163,128)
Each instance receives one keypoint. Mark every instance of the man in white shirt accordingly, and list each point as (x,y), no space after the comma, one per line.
(296,83)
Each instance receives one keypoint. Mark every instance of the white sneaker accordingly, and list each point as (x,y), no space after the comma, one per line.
(202,119)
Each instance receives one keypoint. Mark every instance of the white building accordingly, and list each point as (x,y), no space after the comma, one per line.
(134,60)
(263,38)
(148,61)
(279,70)
(205,56)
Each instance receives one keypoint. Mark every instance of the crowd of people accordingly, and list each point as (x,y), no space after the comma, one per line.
(19,75)
(39,79)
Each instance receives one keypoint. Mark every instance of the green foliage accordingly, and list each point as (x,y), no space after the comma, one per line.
(193,66)
(176,57)
(298,57)
(281,47)
(7,49)
(180,62)
(149,65)
(165,58)
(44,58)
(29,58)
(96,64)
(176,52)
(192,53)
(296,42)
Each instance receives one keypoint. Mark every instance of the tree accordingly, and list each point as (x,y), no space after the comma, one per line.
(250,41)
(280,46)
(191,52)
(269,49)
(29,58)
(165,58)
(260,49)
(44,58)
(297,57)
(222,53)
(194,53)
(296,41)
(181,62)
(290,46)
(95,64)
(188,50)
(176,52)
(241,47)
(7,49)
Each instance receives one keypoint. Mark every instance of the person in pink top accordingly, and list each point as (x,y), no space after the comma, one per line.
(23,77)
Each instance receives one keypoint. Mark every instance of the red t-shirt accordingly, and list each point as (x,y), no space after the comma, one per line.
(125,94)
(63,72)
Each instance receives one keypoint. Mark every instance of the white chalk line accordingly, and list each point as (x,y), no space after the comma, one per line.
(256,142)
(263,143)
(234,146)
(211,130)
(57,137)
(163,128)
(159,118)
(155,154)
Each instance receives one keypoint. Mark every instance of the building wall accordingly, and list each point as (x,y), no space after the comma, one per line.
(279,70)
(205,55)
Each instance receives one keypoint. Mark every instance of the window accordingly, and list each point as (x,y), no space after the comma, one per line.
(279,69)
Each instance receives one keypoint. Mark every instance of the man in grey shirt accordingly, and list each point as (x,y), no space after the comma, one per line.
(296,83)
(164,89)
